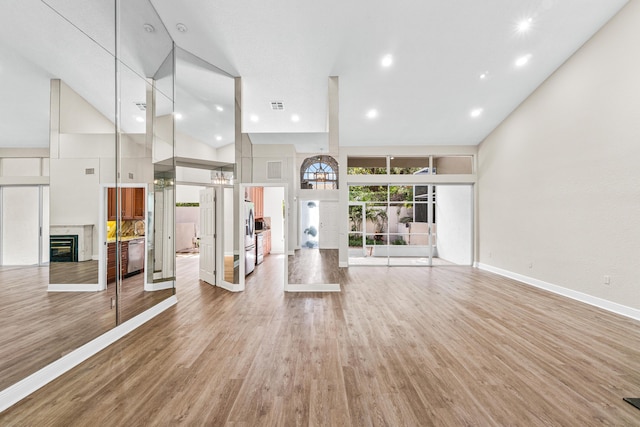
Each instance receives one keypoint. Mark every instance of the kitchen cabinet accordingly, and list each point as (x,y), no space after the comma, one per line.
(138,203)
(111,204)
(266,243)
(111,260)
(258,202)
(256,195)
(132,200)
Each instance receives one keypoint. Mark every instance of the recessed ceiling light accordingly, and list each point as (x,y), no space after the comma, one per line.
(178,116)
(254,118)
(181,27)
(484,75)
(372,114)
(520,62)
(148,28)
(219,108)
(476,112)
(218,138)
(524,25)
(387,60)
(295,118)
(139,119)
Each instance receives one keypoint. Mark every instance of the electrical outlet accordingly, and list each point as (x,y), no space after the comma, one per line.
(607,280)
(530,265)
(113,302)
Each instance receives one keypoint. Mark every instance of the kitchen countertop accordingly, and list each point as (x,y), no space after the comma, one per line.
(125,239)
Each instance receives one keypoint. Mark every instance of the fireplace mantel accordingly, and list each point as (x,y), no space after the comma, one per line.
(85,237)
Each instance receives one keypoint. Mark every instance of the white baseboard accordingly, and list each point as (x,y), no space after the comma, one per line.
(231,287)
(292,253)
(344,264)
(159,286)
(569,293)
(73,287)
(319,287)
(12,395)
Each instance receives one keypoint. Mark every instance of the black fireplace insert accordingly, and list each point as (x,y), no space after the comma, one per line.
(63,248)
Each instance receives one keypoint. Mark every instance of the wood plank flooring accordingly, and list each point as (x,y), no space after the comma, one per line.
(39,327)
(315,266)
(450,346)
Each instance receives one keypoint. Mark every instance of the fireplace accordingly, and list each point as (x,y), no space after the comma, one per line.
(64,248)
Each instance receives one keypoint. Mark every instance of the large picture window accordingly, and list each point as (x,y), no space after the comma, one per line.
(319,173)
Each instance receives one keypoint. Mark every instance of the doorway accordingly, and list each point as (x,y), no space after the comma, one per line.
(318,224)
(123,234)
(411,225)
(24,218)
(270,225)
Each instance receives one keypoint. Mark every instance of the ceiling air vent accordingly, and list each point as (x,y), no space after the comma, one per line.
(142,106)
(89,171)
(277,105)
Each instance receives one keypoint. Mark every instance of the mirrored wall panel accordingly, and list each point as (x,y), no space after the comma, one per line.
(58,108)
(88,150)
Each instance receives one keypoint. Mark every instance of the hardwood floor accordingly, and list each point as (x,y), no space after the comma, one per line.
(398,346)
(38,327)
(315,266)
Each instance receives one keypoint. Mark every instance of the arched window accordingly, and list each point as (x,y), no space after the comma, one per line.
(319,173)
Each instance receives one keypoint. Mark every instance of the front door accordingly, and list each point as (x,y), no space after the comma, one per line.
(328,235)
(207,236)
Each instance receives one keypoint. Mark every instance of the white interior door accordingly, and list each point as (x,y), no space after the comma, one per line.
(20,225)
(328,235)
(207,236)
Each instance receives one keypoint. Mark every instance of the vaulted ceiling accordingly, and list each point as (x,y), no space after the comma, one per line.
(440,51)
(453,74)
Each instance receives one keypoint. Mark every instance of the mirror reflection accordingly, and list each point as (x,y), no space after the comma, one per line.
(205,156)
(88,184)
(57,146)
(79,174)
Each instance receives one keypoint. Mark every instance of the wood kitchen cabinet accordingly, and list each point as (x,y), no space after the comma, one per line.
(111,260)
(266,243)
(132,200)
(257,197)
(138,203)
(111,204)
(260,203)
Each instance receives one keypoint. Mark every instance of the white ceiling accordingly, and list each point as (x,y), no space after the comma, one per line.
(285,51)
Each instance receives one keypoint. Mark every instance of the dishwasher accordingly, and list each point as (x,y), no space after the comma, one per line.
(136,256)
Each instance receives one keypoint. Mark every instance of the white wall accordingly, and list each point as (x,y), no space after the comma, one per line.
(559,189)
(273,197)
(262,154)
(188,193)
(226,153)
(454,219)
(189,147)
